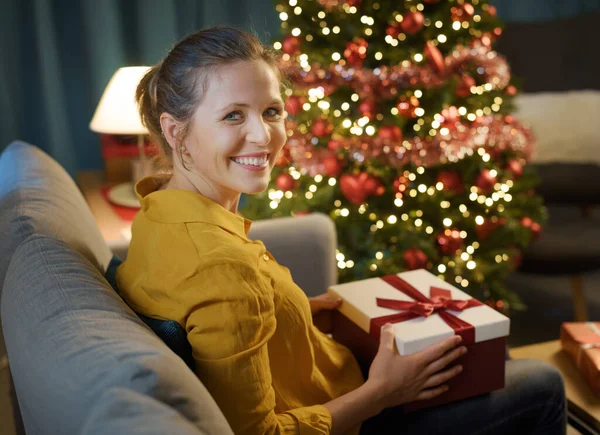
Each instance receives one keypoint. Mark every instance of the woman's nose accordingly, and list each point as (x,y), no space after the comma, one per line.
(259,132)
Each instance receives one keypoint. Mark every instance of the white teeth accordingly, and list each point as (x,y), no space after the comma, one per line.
(254,161)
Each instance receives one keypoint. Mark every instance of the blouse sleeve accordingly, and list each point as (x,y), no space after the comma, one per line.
(230,322)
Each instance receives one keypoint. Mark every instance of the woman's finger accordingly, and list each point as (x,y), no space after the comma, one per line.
(440,363)
(324,302)
(432,392)
(442,377)
(387,338)
(436,351)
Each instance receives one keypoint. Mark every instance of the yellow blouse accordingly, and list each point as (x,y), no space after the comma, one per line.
(256,349)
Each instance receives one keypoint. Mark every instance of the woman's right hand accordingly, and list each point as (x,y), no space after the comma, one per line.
(398,379)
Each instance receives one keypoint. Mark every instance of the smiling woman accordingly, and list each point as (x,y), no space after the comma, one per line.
(214,105)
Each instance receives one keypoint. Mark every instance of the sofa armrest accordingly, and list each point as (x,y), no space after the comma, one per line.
(304,244)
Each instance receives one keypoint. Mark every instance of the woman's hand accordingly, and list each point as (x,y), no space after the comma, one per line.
(398,379)
(321,308)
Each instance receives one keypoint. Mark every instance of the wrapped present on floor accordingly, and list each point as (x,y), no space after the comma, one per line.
(424,310)
(581,341)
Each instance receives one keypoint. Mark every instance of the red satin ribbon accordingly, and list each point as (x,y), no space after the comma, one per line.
(423,307)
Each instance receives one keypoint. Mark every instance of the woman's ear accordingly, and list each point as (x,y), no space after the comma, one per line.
(170,129)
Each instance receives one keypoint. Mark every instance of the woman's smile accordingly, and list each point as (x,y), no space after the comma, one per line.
(252,162)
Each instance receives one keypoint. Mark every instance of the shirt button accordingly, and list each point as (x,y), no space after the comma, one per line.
(265,257)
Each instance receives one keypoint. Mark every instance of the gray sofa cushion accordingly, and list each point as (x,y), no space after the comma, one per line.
(75,348)
(37,196)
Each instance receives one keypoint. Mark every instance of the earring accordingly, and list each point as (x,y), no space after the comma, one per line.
(182,148)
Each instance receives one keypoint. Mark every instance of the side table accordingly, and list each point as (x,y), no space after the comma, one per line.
(114,229)
(583,407)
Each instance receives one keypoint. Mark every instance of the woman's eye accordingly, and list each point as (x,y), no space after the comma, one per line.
(233,116)
(273,112)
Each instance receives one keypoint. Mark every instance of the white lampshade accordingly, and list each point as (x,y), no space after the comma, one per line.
(117,112)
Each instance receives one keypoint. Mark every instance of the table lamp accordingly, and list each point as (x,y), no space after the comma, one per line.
(117,113)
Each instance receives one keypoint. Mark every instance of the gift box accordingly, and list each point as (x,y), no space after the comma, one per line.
(581,341)
(424,310)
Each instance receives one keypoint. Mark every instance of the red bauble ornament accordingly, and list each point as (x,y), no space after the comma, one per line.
(449,241)
(514,166)
(414,258)
(368,108)
(463,12)
(488,227)
(285,182)
(356,52)
(536,230)
(319,128)
(333,166)
(464,86)
(451,181)
(293,105)
(291,45)
(534,227)
(406,106)
(393,29)
(333,145)
(390,132)
(412,22)
(511,90)
(485,181)
(434,57)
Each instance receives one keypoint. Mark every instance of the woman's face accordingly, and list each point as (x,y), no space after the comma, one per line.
(238,129)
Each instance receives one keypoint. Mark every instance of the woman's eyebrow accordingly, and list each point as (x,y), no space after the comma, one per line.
(232,105)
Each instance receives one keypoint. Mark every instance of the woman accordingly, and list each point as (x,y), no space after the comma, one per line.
(214,104)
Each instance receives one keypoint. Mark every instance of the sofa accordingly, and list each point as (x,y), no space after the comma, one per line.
(75,359)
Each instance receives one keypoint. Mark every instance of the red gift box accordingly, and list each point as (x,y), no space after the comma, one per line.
(424,310)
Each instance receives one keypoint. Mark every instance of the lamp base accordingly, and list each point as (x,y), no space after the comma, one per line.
(124,195)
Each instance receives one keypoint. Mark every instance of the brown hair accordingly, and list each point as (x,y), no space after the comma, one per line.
(173,84)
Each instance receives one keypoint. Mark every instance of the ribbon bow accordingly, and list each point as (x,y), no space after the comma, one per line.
(423,306)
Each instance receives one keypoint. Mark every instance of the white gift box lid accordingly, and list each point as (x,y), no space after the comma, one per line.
(417,334)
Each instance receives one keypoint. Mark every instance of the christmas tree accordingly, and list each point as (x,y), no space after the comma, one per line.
(399,129)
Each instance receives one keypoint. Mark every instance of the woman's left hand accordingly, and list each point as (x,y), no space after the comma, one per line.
(322,307)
